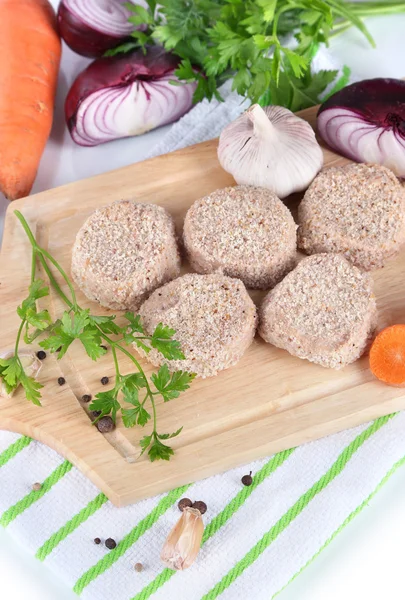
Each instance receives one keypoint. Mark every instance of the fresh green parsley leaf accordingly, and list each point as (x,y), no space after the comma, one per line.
(298,63)
(168,436)
(74,323)
(162,340)
(137,415)
(106,324)
(139,16)
(122,49)
(135,324)
(31,387)
(107,403)
(131,384)
(91,340)
(169,384)
(58,341)
(159,451)
(28,310)
(11,371)
(145,443)
(269,8)
(41,320)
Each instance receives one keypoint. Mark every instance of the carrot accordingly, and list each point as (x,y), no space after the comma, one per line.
(387,355)
(30,52)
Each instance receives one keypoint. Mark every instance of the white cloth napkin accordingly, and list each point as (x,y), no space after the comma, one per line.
(256,539)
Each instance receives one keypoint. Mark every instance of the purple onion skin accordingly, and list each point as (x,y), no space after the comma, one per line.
(376,105)
(81,38)
(380,101)
(118,72)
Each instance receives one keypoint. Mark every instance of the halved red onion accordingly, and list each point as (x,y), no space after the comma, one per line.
(365,121)
(126,95)
(90,27)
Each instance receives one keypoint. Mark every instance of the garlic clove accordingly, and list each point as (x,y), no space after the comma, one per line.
(183,542)
(270,148)
(30,363)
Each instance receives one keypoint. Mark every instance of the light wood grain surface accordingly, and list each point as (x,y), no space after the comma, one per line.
(268,402)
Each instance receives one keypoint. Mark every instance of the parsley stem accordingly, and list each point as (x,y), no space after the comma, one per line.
(154,415)
(62,272)
(117,368)
(41,252)
(54,283)
(17,342)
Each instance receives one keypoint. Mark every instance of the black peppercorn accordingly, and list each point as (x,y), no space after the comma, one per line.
(61,380)
(41,354)
(105,424)
(110,544)
(104,380)
(86,398)
(247,479)
(104,347)
(201,506)
(95,413)
(138,567)
(184,503)
(97,541)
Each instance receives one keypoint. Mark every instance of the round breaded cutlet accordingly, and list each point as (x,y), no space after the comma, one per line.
(356,210)
(214,319)
(324,311)
(244,232)
(123,252)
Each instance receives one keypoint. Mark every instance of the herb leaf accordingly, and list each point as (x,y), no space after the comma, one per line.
(159,451)
(162,340)
(31,387)
(10,369)
(218,40)
(107,403)
(169,384)
(137,415)
(106,324)
(167,436)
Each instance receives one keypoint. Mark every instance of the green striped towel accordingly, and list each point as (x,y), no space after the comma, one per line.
(299,500)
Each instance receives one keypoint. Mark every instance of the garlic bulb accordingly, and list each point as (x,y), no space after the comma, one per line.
(30,363)
(184,541)
(270,148)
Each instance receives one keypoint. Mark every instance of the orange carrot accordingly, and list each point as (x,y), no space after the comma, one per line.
(30,52)
(387,355)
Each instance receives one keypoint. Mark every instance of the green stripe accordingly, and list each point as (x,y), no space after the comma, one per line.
(14,449)
(14,511)
(348,519)
(109,559)
(297,508)
(70,526)
(221,518)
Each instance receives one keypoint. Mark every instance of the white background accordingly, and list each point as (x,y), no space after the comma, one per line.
(366,560)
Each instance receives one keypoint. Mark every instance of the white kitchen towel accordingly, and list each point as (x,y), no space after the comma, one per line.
(256,538)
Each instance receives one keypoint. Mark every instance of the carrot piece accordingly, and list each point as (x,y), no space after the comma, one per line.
(387,355)
(30,52)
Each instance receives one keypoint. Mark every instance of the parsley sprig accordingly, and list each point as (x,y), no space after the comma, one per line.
(245,40)
(76,323)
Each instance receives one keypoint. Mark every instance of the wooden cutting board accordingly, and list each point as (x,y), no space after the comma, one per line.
(269,402)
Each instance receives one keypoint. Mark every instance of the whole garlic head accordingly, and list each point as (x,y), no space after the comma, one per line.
(271,148)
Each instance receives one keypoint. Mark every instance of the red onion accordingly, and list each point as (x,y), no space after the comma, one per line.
(365,121)
(126,95)
(90,27)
